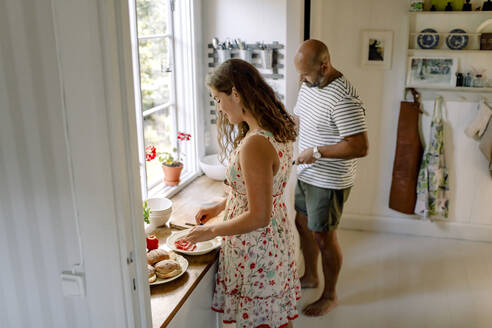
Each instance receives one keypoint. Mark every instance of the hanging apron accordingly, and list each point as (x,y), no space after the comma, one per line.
(432,183)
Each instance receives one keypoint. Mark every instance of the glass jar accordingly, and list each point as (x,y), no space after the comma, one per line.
(416,5)
(478,81)
(459,79)
(467,80)
(440,5)
(458,5)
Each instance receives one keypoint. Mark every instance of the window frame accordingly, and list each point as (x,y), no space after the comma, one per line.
(157,187)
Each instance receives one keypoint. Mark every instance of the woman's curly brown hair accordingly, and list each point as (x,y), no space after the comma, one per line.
(257,97)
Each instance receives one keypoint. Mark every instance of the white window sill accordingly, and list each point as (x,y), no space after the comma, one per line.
(161,190)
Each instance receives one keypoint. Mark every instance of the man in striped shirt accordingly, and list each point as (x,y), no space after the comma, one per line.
(332,135)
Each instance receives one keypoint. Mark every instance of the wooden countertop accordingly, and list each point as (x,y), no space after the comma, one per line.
(167,299)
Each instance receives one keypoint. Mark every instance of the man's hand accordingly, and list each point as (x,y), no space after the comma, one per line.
(306,157)
(350,147)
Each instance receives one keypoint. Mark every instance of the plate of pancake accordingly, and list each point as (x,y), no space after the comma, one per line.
(164,266)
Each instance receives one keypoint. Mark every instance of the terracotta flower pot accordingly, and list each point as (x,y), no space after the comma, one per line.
(171,174)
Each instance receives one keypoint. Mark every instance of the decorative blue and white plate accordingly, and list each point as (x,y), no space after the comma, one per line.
(457,42)
(428,41)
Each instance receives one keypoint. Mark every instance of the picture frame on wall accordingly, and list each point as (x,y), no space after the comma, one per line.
(432,71)
(377,49)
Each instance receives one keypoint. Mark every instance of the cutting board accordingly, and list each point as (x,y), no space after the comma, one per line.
(188,223)
(200,193)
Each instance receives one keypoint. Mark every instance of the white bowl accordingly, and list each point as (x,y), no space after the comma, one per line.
(160,205)
(161,209)
(212,167)
(159,220)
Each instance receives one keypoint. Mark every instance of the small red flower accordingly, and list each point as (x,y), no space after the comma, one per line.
(252,265)
(260,270)
(245,316)
(280,154)
(150,153)
(184,136)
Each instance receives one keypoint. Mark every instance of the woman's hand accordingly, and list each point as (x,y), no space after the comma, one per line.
(199,233)
(206,213)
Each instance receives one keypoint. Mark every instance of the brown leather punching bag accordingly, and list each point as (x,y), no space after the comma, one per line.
(408,154)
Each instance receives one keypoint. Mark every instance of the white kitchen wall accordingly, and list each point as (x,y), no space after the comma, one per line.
(339,25)
(256,20)
(252,21)
(69,182)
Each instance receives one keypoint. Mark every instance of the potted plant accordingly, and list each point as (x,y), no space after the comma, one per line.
(146,212)
(171,162)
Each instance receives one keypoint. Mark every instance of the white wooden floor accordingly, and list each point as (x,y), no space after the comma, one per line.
(390,280)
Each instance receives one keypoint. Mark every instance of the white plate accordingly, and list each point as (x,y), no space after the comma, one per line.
(184,266)
(201,248)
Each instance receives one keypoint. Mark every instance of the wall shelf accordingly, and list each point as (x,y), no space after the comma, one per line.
(444,33)
(464,13)
(444,22)
(470,59)
(457,89)
(271,74)
(448,51)
(451,93)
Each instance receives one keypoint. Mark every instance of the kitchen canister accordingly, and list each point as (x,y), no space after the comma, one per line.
(416,5)
(266,57)
(223,54)
(245,54)
(485,30)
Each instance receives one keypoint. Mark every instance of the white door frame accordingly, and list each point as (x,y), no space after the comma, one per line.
(118,69)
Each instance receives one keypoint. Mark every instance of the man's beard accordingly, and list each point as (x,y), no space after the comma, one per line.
(315,84)
(312,85)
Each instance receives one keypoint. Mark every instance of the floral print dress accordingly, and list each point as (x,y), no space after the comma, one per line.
(257,283)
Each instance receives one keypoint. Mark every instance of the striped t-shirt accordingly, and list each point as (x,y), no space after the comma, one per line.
(326,116)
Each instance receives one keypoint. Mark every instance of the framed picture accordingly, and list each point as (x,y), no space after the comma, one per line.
(432,71)
(377,49)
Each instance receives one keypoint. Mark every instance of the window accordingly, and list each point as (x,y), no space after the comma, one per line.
(155,54)
(160,115)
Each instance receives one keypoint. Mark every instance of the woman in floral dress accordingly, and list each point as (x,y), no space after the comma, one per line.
(257,283)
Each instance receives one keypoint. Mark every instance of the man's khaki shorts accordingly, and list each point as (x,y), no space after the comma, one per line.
(323,207)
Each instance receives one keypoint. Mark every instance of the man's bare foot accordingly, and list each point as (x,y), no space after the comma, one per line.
(309,282)
(320,307)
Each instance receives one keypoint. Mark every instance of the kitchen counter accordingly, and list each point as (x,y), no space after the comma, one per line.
(167,299)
